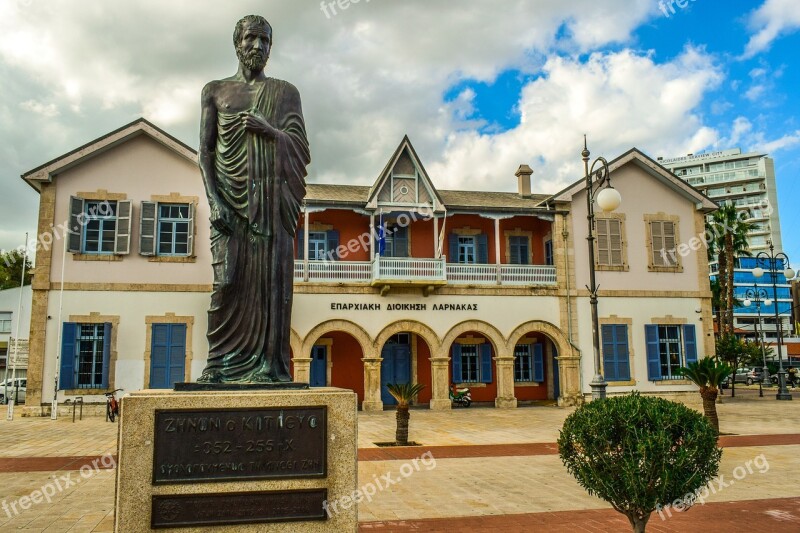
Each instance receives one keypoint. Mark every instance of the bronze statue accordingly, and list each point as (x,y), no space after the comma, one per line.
(253,157)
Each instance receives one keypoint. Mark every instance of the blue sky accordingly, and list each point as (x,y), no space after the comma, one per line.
(479,86)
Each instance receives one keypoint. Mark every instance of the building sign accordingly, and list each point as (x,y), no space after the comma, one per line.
(335,306)
(240,444)
(18,350)
(699,157)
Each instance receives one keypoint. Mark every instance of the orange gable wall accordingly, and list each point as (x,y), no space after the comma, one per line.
(421,234)
(539,228)
(351,227)
(348,368)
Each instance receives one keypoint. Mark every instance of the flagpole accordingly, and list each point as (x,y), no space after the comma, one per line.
(10,413)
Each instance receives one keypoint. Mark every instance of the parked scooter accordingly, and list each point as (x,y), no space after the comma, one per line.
(460,396)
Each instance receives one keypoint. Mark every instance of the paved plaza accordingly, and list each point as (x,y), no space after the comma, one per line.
(477,469)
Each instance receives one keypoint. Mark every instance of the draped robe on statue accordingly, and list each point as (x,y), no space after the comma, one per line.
(262,182)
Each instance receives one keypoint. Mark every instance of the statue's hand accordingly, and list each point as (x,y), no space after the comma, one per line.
(255,122)
(221,218)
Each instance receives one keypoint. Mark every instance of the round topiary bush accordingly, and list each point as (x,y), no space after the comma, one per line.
(639,453)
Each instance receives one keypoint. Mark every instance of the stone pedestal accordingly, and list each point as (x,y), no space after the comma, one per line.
(237,461)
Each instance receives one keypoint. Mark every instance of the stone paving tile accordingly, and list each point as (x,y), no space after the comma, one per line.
(775,516)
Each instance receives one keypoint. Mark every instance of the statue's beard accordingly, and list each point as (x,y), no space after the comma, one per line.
(255,60)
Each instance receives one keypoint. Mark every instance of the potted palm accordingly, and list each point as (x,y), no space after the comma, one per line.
(708,374)
(404,393)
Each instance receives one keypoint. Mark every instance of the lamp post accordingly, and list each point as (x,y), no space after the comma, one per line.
(608,199)
(757,295)
(771,260)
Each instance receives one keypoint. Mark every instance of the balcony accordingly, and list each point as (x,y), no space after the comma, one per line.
(424,272)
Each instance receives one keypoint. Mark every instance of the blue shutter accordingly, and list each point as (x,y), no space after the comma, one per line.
(106,352)
(485,350)
(514,250)
(453,245)
(456,362)
(332,244)
(690,343)
(538,363)
(69,351)
(400,240)
(610,370)
(301,234)
(524,251)
(159,356)
(623,353)
(482,243)
(177,354)
(653,355)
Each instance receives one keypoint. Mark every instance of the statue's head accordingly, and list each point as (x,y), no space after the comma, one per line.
(253,41)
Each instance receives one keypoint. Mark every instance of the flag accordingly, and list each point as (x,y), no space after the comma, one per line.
(381,235)
(441,237)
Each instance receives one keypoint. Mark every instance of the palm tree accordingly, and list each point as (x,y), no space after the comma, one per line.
(404,393)
(708,374)
(729,241)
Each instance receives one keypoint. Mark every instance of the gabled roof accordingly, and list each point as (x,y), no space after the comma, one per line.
(386,173)
(652,168)
(140,126)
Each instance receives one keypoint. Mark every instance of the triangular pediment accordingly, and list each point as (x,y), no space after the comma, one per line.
(404,183)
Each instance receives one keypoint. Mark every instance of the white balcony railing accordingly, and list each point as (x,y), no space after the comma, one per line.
(408,269)
(422,270)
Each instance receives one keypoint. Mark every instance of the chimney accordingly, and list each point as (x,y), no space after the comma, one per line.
(523,175)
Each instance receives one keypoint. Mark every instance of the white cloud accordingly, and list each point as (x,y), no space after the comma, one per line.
(40,108)
(773,19)
(620,99)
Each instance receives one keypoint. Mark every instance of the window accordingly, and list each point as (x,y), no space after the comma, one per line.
(472,363)
(469,249)
(395,241)
(519,250)
(5,322)
(317,242)
(3,354)
(528,363)
(166,229)
(663,239)
(466,250)
(99,227)
(173,229)
(669,348)
(616,358)
(609,242)
(85,356)
(322,245)
(548,252)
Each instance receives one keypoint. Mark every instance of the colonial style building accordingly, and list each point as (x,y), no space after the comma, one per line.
(394,282)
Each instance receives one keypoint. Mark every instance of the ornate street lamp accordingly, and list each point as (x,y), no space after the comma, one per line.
(771,260)
(757,295)
(608,199)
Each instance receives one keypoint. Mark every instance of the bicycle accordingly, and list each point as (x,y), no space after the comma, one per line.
(112,405)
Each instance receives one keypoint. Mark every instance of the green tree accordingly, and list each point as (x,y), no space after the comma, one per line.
(639,453)
(729,241)
(708,374)
(11,269)
(730,349)
(404,393)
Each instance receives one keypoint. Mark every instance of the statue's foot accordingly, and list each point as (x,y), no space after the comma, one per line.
(262,376)
(210,376)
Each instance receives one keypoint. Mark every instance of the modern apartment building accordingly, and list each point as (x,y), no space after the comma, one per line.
(397,281)
(746,180)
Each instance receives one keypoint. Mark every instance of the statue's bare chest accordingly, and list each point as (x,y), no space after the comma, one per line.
(236,97)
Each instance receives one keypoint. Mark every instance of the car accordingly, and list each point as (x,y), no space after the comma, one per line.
(744,375)
(786,368)
(12,385)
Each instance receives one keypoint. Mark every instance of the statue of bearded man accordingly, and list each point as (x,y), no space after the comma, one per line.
(253,157)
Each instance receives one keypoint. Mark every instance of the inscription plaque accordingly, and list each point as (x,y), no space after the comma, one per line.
(184,510)
(236,444)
